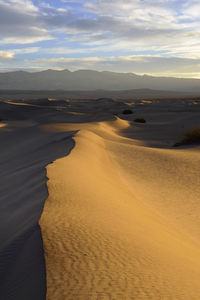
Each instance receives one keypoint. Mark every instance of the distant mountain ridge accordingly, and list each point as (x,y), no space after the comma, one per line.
(88,80)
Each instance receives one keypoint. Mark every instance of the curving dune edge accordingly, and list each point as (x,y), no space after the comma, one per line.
(121,220)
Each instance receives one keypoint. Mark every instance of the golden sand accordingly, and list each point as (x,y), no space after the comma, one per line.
(3,124)
(121,220)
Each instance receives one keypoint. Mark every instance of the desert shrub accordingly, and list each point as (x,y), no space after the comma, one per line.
(192,136)
(127,112)
(140,120)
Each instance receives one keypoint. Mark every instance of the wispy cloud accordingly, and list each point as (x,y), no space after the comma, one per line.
(6,55)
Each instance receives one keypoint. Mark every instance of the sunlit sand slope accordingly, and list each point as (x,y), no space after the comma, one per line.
(121,221)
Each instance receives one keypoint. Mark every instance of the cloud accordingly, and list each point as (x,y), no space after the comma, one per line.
(6,55)
(63,62)
(10,54)
(17,5)
(26,50)
(19,23)
(191,9)
(137,9)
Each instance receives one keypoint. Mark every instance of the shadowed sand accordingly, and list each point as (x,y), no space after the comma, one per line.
(24,153)
(121,220)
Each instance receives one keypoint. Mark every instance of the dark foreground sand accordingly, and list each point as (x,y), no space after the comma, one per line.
(25,151)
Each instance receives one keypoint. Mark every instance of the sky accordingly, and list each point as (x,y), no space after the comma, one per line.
(155,37)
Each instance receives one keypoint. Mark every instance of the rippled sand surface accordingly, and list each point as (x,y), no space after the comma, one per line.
(122,220)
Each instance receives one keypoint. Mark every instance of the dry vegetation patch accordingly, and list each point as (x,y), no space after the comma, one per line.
(140,120)
(192,136)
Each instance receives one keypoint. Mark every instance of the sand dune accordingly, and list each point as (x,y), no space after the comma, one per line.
(121,220)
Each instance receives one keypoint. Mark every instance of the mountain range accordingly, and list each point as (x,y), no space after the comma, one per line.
(89,80)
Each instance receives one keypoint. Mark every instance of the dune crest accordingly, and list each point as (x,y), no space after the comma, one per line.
(107,233)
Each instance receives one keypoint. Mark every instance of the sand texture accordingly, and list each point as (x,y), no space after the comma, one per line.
(122,219)
(25,151)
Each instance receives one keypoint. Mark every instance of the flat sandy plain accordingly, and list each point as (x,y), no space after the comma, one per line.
(121,219)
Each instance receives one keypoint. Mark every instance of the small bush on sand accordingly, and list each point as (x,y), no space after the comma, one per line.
(127,112)
(140,120)
(191,136)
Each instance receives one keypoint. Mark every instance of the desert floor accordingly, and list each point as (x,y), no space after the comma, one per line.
(120,219)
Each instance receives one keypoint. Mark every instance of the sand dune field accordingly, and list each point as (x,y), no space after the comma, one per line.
(118,205)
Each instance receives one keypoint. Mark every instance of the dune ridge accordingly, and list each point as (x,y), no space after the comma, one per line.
(121,220)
